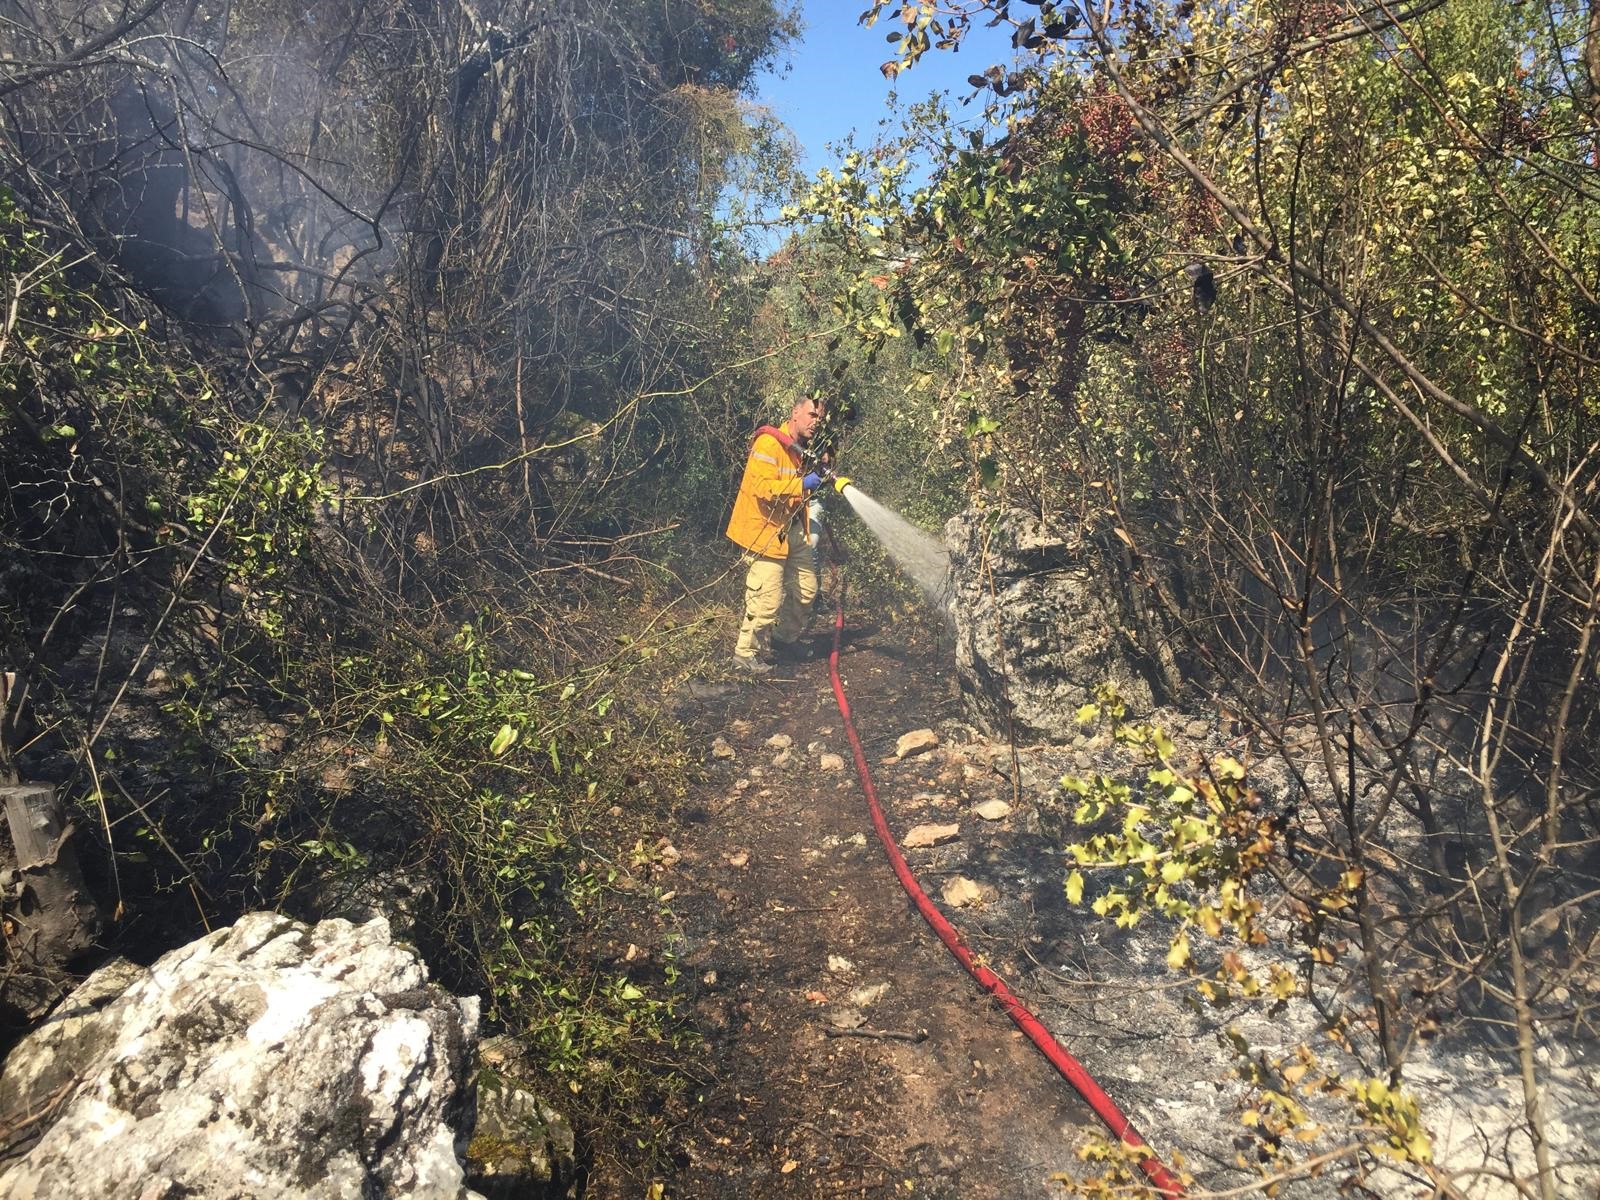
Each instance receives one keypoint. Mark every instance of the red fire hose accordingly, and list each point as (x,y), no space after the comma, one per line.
(1105,1108)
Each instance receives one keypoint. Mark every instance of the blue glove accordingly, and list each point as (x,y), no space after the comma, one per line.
(811,482)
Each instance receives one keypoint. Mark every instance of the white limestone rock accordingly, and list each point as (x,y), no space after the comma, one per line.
(267,1060)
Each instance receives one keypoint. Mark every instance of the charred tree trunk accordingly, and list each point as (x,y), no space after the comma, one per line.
(51,918)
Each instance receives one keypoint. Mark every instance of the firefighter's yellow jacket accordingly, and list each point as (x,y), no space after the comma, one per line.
(771,496)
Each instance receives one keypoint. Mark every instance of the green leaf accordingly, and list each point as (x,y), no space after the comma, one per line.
(503,740)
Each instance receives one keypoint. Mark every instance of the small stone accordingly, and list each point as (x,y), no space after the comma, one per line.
(839,965)
(780,741)
(741,785)
(519,1144)
(918,741)
(929,835)
(870,994)
(1197,729)
(498,1051)
(992,810)
(846,1018)
(857,839)
(830,762)
(816,747)
(783,758)
(666,853)
(709,979)
(720,748)
(961,892)
(739,728)
(739,859)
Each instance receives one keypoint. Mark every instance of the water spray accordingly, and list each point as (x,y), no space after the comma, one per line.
(918,553)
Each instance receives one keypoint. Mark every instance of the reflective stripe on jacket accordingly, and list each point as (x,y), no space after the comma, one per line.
(770,496)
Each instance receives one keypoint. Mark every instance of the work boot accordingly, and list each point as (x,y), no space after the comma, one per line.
(751,664)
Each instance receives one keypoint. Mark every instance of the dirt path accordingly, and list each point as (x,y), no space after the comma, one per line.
(792,920)
(847,1054)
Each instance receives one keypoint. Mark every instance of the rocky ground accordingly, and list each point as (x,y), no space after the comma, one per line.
(845,1053)
(852,1055)
(849,1054)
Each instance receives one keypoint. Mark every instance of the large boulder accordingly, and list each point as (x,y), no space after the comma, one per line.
(1038,625)
(269,1059)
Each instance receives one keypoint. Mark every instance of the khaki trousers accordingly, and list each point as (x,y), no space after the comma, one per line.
(778,593)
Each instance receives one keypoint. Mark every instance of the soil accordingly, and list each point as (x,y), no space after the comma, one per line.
(789,909)
(791,924)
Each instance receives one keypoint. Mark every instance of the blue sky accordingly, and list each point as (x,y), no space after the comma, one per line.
(829,83)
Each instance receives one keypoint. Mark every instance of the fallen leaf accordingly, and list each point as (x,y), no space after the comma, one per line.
(992,810)
(788,1166)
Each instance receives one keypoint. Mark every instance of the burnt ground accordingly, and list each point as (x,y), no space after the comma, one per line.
(781,877)
(846,1053)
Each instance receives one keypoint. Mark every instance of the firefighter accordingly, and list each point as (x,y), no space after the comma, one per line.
(771,523)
